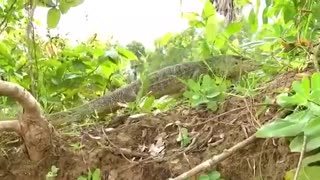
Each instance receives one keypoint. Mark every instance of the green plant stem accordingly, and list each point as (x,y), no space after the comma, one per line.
(301,157)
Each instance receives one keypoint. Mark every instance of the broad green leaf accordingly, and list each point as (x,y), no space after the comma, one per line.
(300,116)
(233,28)
(313,127)
(96,175)
(314,108)
(286,101)
(253,21)
(165,39)
(4,51)
(127,54)
(213,94)
(311,159)
(199,102)
(204,177)
(315,80)
(212,105)
(75,3)
(220,42)
(306,173)
(146,104)
(188,94)
(302,87)
(196,96)
(313,142)
(315,96)
(207,85)
(53,18)
(289,12)
(64,6)
(208,10)
(191,16)
(211,29)
(264,16)
(194,86)
(280,128)
(214,175)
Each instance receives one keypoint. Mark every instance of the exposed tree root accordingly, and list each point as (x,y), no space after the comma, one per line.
(31,126)
(10,126)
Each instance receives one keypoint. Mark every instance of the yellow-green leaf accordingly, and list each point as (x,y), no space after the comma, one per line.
(211,29)
(74,3)
(4,50)
(53,18)
(64,6)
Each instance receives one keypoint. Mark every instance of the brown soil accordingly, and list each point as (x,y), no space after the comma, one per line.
(146,147)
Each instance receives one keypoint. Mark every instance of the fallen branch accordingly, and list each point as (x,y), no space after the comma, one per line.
(215,159)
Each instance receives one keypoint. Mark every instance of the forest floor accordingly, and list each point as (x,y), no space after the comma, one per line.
(146,148)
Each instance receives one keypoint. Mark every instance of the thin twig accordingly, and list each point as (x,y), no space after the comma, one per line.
(301,157)
(215,159)
(230,111)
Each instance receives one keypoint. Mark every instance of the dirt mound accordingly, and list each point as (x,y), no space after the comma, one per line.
(147,148)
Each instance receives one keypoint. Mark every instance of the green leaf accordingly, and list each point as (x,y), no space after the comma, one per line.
(147,103)
(289,12)
(311,159)
(211,29)
(64,6)
(199,101)
(264,15)
(212,105)
(286,101)
(194,86)
(191,16)
(315,96)
(253,21)
(233,28)
(314,108)
(313,127)
(280,128)
(127,54)
(303,87)
(313,142)
(53,18)
(4,51)
(165,39)
(96,175)
(208,10)
(315,79)
(213,95)
(306,173)
(185,138)
(214,175)
(75,3)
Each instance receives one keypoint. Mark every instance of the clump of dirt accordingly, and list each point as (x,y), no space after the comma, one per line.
(146,147)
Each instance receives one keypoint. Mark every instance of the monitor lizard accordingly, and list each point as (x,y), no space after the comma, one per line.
(163,82)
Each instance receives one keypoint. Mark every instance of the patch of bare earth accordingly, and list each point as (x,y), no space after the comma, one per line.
(146,148)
